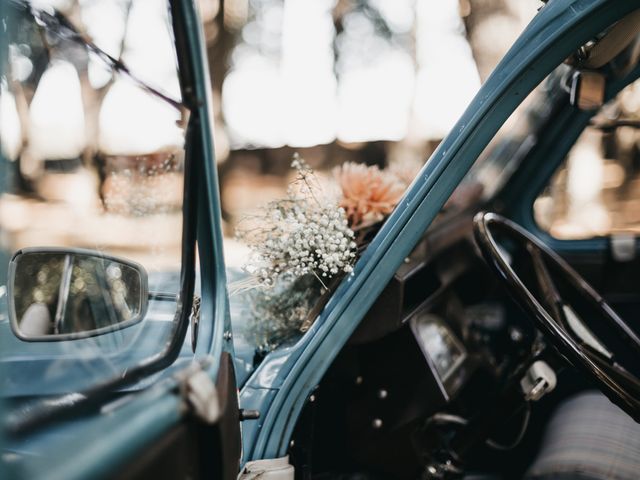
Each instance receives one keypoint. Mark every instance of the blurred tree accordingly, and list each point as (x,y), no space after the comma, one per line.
(493,26)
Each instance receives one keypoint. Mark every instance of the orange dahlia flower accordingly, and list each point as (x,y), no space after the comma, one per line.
(368,193)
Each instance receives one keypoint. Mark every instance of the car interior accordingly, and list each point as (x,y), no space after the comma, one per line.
(489,355)
(504,347)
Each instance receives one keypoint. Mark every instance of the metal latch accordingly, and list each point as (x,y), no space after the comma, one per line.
(539,380)
(195,321)
(246,414)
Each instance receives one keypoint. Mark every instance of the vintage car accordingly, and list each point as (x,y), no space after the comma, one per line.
(468,342)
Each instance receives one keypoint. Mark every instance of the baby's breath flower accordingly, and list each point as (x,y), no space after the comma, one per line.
(304,233)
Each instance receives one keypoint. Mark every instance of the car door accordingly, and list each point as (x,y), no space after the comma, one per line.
(127,402)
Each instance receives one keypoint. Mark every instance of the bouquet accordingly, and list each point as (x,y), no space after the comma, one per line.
(303,244)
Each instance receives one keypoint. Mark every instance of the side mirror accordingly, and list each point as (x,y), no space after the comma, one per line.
(61,294)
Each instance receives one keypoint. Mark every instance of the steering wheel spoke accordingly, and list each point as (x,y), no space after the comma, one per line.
(556,318)
(547,287)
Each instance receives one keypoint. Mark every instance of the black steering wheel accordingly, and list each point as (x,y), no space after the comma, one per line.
(564,307)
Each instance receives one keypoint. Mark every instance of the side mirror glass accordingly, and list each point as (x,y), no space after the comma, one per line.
(58,294)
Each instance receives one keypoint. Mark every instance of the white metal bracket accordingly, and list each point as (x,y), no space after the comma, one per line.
(539,380)
(269,469)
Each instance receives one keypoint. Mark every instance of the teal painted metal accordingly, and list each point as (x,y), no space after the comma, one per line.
(214,312)
(280,387)
(560,28)
(5,469)
(95,447)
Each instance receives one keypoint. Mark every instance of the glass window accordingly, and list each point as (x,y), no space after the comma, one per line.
(363,92)
(596,190)
(92,162)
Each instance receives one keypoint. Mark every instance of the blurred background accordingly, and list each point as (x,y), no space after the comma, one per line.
(373,81)
(370,81)
(92,157)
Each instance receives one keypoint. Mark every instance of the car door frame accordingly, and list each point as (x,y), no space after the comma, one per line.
(194,414)
(286,379)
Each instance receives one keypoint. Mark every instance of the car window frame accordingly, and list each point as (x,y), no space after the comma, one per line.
(139,420)
(40,414)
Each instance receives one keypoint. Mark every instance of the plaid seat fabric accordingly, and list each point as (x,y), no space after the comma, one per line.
(589,438)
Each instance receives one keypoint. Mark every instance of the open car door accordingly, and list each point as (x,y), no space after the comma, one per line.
(147,389)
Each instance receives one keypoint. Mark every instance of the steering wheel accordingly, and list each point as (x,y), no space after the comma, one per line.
(552,293)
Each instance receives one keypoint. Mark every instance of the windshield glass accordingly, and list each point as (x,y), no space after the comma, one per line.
(327,113)
(91,192)
(501,158)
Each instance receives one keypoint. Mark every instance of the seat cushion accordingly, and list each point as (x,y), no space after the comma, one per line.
(589,438)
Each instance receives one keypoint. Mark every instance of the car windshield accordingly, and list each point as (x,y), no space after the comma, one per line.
(501,158)
(303,131)
(91,192)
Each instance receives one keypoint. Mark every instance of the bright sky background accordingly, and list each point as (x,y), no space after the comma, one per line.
(282,90)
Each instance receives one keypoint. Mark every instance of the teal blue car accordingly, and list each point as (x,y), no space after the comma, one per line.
(489,329)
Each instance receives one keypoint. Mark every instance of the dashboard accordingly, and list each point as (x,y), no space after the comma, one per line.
(444,352)
(436,340)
